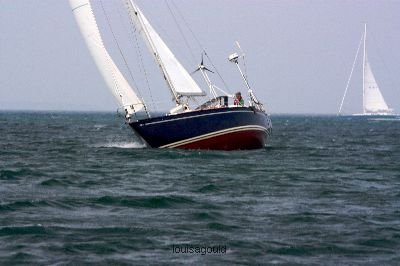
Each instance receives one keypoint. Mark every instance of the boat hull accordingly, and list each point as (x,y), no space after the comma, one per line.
(214,129)
(376,115)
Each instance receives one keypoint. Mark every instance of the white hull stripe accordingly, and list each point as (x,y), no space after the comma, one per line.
(214,134)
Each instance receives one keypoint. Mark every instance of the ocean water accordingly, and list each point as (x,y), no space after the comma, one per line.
(78,188)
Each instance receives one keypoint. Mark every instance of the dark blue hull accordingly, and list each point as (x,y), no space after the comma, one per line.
(214,129)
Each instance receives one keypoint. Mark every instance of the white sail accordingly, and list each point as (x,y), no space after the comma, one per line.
(178,79)
(113,77)
(373,99)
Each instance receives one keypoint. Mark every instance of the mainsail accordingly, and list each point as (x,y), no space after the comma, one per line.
(373,99)
(178,79)
(113,77)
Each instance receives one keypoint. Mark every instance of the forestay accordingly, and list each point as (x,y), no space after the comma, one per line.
(113,77)
(178,79)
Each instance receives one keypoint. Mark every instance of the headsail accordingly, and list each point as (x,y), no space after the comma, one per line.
(373,99)
(113,77)
(178,79)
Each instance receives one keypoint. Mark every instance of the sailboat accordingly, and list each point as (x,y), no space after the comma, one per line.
(373,102)
(221,123)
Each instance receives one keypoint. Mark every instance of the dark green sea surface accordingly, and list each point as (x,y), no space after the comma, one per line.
(78,188)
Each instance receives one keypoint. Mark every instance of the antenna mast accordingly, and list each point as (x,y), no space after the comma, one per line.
(364,60)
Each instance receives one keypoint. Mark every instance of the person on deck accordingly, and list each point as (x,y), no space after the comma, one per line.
(238,100)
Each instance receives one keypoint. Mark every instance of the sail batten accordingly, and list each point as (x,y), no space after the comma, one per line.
(179,80)
(113,77)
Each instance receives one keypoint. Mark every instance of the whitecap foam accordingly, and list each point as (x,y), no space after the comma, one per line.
(122,145)
(99,126)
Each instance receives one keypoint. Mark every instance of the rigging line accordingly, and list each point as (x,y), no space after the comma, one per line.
(181,32)
(132,30)
(119,48)
(351,74)
(216,71)
(187,25)
(139,54)
(198,43)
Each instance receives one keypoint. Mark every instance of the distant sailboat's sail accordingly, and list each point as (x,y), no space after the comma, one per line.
(113,77)
(178,79)
(373,99)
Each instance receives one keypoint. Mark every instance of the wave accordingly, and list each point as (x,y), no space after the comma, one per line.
(145,202)
(6,174)
(385,119)
(23,230)
(99,126)
(122,145)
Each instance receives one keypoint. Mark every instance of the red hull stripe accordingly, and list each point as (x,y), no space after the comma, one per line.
(225,139)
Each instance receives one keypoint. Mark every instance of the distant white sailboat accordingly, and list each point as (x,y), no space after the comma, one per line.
(373,102)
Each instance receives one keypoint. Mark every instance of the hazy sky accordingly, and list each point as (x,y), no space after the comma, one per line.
(298,53)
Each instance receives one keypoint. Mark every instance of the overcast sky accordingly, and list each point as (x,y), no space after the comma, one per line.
(298,53)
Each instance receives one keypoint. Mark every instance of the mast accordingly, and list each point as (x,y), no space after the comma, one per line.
(364,61)
(178,79)
(131,5)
